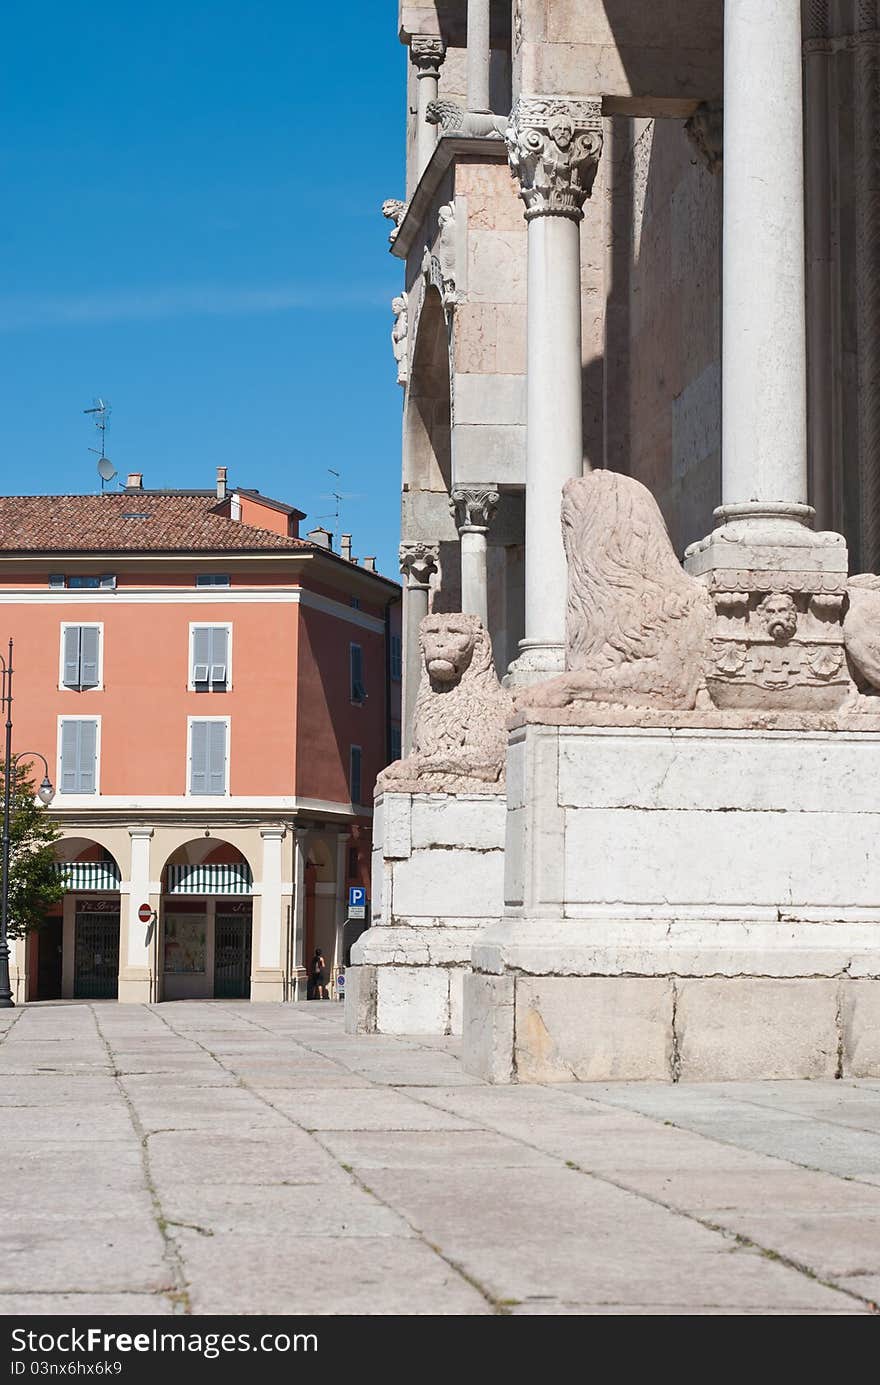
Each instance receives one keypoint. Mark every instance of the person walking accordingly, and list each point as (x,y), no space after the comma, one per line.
(318,976)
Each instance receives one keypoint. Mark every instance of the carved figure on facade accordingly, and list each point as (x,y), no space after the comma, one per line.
(459,739)
(779,615)
(400,337)
(438,264)
(454,119)
(394,210)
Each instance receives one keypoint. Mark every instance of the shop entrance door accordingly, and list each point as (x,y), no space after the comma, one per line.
(49,953)
(96,950)
(232,951)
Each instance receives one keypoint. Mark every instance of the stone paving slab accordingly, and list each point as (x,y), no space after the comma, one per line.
(225,1157)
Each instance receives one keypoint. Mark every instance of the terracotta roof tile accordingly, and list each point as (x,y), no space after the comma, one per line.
(147,522)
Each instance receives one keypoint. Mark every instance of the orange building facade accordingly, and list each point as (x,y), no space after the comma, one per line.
(214,696)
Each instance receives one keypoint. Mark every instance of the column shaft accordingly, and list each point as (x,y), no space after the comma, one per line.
(415,608)
(764,445)
(474,578)
(554,444)
(418,563)
(478,53)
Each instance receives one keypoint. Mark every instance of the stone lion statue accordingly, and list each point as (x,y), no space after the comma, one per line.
(638,628)
(861,631)
(453,119)
(461,714)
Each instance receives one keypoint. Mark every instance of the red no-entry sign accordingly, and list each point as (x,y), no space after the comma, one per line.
(145,913)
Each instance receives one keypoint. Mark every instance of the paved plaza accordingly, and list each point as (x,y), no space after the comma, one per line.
(234,1158)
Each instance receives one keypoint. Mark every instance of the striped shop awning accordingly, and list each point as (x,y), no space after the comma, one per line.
(210,879)
(88,875)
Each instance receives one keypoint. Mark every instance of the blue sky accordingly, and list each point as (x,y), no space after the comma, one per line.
(192,229)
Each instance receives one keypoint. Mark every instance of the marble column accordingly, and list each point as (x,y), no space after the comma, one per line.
(427,56)
(764,344)
(474,508)
(478,54)
(554,146)
(418,563)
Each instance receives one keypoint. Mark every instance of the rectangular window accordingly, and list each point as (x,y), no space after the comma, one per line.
(105,581)
(354,778)
(395,743)
(80,656)
(356,603)
(210,648)
(356,668)
(208,756)
(212,579)
(79,755)
(396,658)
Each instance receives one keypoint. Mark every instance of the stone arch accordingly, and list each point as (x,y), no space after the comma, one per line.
(74,954)
(205,939)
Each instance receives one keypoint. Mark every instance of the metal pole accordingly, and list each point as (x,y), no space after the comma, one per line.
(6,1001)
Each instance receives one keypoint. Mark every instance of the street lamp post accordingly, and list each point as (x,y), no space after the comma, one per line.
(45,793)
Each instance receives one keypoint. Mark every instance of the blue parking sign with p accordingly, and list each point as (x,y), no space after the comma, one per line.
(357,897)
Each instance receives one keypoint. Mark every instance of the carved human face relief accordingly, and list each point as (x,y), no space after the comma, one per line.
(779,615)
(448,646)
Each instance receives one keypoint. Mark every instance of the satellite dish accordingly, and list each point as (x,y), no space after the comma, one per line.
(106,469)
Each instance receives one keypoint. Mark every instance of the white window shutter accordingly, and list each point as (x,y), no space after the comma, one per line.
(217,757)
(69,755)
(201,653)
(88,757)
(90,636)
(72,656)
(219,655)
(198,770)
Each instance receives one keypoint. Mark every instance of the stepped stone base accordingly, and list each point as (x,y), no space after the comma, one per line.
(438,865)
(683,903)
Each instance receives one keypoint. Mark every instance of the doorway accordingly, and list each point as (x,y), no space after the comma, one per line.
(96,950)
(50,955)
(232,951)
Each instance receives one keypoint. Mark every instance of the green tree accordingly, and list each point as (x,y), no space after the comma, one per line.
(34,884)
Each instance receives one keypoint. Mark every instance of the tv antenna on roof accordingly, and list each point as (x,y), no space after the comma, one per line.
(337,495)
(101,413)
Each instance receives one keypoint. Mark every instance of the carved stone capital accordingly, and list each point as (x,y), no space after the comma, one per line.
(473,507)
(554,145)
(418,562)
(427,55)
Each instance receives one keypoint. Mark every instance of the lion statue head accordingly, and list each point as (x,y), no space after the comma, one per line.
(459,737)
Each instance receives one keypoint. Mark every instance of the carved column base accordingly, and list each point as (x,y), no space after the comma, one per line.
(537,660)
(779,591)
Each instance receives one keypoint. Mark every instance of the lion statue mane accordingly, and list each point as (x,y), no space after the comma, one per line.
(461,713)
(638,628)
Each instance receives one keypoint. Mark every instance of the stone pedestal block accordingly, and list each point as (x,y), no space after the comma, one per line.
(438,865)
(683,903)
